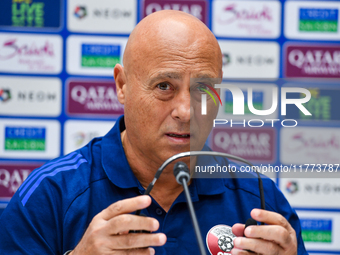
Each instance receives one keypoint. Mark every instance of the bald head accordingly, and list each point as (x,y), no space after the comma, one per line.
(164,52)
(167,32)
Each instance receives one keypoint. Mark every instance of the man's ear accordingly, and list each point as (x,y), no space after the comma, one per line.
(120,80)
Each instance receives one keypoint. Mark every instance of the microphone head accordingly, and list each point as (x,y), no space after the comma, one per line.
(250,222)
(181,171)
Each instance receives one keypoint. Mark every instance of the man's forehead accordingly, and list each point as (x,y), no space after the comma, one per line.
(180,75)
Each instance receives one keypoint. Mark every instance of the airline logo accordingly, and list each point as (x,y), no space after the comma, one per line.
(197,8)
(312,61)
(316,230)
(93,98)
(21,53)
(25,138)
(252,144)
(79,133)
(102,16)
(27,96)
(248,19)
(94,55)
(99,55)
(301,145)
(312,20)
(323,105)
(318,20)
(243,59)
(12,175)
(262,100)
(29,139)
(34,14)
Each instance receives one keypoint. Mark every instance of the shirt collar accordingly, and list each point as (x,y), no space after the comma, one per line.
(118,170)
(114,161)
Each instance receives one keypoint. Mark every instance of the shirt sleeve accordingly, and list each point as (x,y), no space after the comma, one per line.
(33,227)
(283,207)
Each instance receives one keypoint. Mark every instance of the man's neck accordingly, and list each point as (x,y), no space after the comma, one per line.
(166,190)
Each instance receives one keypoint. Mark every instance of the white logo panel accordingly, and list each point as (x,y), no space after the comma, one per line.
(323,228)
(78,133)
(315,20)
(30,96)
(312,189)
(92,55)
(309,145)
(23,53)
(243,59)
(248,19)
(102,16)
(29,139)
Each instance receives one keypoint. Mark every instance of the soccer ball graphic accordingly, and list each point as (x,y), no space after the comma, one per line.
(225,243)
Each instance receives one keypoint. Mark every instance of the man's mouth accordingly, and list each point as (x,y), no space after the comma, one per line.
(178,135)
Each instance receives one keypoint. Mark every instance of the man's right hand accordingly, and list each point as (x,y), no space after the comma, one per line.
(108,232)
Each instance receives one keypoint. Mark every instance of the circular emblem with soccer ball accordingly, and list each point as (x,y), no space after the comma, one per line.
(220,240)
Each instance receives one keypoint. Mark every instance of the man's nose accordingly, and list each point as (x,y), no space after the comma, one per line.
(181,110)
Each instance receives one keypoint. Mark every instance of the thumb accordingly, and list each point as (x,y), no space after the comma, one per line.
(238,229)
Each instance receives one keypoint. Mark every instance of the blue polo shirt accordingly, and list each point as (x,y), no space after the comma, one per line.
(52,209)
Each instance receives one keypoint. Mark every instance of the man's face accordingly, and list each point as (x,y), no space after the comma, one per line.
(161,117)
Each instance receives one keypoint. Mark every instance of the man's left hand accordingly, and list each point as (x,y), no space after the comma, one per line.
(277,237)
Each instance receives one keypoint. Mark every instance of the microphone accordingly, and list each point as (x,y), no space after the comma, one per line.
(182,174)
(250,222)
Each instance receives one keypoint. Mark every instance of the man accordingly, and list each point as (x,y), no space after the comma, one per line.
(83,202)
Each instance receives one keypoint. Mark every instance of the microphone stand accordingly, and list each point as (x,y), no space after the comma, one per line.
(182,175)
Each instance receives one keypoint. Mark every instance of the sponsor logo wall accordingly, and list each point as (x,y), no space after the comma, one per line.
(197,8)
(30,53)
(316,145)
(30,96)
(57,91)
(97,56)
(320,230)
(248,59)
(79,132)
(313,20)
(312,61)
(257,19)
(102,16)
(93,98)
(251,144)
(12,175)
(31,14)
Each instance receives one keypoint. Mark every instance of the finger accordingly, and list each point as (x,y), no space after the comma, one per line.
(238,229)
(236,251)
(132,241)
(271,218)
(125,206)
(143,251)
(277,234)
(257,245)
(126,222)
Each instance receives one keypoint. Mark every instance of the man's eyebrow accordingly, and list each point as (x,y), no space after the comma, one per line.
(203,76)
(166,75)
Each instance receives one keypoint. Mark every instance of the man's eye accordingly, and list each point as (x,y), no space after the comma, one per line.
(163,86)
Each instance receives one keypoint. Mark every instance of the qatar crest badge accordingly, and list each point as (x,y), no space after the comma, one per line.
(220,240)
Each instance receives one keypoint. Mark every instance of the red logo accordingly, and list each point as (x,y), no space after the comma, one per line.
(220,240)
